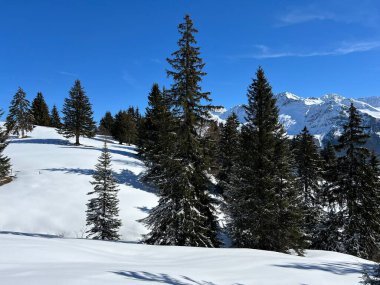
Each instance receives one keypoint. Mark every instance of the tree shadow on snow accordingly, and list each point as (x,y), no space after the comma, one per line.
(28,234)
(125,177)
(41,141)
(81,171)
(112,151)
(340,268)
(161,278)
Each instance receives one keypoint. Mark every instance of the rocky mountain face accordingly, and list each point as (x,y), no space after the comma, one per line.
(323,116)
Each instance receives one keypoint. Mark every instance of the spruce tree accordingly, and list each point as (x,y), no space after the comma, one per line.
(210,144)
(55,120)
(124,129)
(77,115)
(185,215)
(20,118)
(40,111)
(4,161)
(309,180)
(102,210)
(328,231)
(358,190)
(263,204)
(229,150)
(106,124)
(155,133)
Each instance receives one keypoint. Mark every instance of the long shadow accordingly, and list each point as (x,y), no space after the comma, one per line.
(81,171)
(340,268)
(41,141)
(124,177)
(160,277)
(113,151)
(129,178)
(28,234)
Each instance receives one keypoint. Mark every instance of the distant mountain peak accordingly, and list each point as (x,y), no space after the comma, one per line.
(323,116)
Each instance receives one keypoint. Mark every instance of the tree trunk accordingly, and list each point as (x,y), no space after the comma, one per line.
(77,140)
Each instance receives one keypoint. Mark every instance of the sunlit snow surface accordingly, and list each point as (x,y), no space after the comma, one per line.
(49,197)
(49,194)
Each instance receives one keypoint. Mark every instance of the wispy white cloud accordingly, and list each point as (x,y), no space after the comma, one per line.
(298,16)
(263,52)
(68,73)
(348,11)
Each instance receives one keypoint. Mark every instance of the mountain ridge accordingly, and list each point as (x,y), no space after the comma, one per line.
(323,116)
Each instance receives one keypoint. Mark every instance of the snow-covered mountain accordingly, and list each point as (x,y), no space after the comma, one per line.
(323,116)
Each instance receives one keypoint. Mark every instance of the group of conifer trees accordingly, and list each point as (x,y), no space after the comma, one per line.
(23,115)
(124,127)
(279,193)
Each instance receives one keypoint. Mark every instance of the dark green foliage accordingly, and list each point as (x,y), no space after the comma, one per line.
(357,191)
(328,234)
(210,144)
(77,115)
(5,166)
(102,210)
(155,134)
(55,120)
(106,124)
(20,118)
(309,181)
(185,215)
(263,205)
(125,129)
(229,148)
(40,111)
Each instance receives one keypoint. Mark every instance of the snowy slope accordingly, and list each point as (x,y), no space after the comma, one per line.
(322,116)
(28,260)
(49,194)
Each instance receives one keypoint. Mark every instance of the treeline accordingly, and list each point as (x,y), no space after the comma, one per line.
(123,127)
(279,193)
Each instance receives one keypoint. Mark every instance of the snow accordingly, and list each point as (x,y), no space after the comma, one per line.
(37,260)
(49,194)
(322,116)
(48,199)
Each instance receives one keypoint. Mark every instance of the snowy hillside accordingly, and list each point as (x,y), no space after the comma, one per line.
(48,199)
(49,194)
(32,260)
(322,116)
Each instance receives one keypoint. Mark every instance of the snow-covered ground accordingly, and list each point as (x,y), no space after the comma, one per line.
(48,197)
(28,260)
(49,194)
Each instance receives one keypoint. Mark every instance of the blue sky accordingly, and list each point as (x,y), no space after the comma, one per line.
(118,48)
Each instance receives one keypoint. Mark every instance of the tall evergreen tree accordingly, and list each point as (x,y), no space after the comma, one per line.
(328,231)
(20,118)
(155,133)
(4,161)
(185,215)
(55,119)
(102,210)
(106,124)
(40,111)
(210,144)
(358,190)
(124,129)
(309,180)
(229,149)
(263,204)
(77,115)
